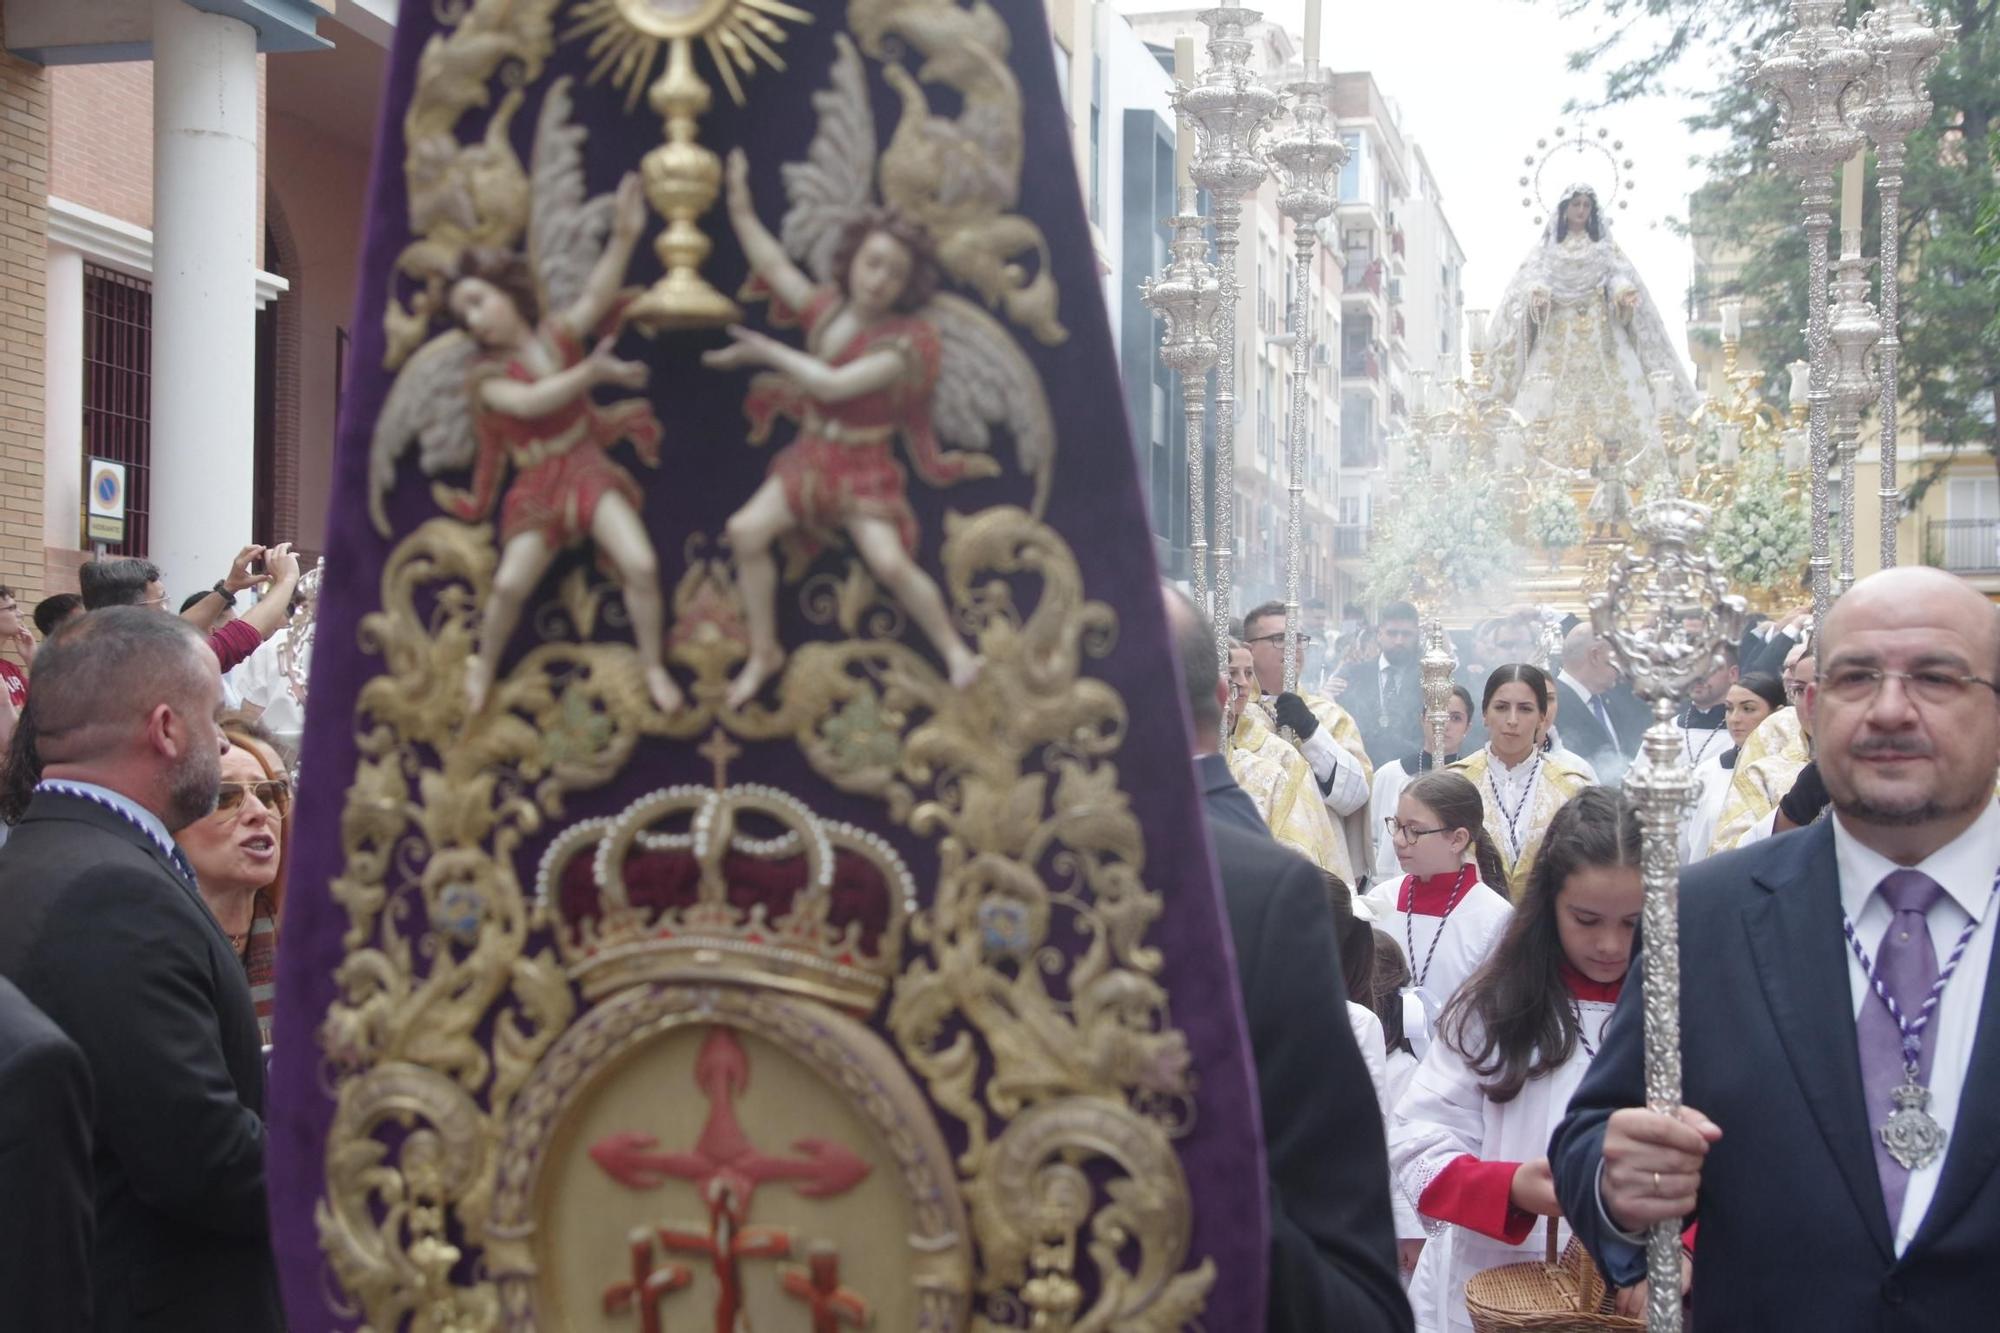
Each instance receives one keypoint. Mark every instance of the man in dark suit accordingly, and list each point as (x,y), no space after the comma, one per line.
(1333,1249)
(103,928)
(1810,1216)
(1598,719)
(1382,695)
(45,1182)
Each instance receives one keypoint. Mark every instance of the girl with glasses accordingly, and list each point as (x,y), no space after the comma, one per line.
(1523,783)
(238,855)
(1469,1138)
(1444,910)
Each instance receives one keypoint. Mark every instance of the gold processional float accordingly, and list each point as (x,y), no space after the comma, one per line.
(1662,601)
(734,901)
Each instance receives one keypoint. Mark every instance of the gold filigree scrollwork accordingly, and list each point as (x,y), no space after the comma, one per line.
(961,176)
(463,195)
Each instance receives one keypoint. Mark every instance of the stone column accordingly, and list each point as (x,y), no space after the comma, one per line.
(204,292)
(62,432)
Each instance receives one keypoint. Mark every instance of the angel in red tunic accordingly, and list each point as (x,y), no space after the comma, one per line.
(864,381)
(509,393)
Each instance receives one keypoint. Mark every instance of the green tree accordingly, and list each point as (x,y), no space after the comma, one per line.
(1950,224)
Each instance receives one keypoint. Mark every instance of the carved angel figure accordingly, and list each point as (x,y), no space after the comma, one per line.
(887,357)
(509,393)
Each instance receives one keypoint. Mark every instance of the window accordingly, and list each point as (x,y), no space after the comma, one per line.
(1972,498)
(118,390)
(1350,171)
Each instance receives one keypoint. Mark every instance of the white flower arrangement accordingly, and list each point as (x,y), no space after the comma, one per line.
(1443,543)
(1552,520)
(1763,537)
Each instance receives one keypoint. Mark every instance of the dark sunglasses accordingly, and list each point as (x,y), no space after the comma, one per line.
(273,794)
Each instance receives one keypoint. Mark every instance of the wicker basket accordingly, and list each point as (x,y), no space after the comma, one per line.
(1558,1295)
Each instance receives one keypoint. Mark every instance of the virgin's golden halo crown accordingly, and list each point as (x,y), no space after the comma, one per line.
(741,883)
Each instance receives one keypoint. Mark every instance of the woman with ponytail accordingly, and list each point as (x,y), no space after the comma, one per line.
(1523,783)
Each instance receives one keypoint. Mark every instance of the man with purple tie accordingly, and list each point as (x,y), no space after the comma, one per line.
(1840,1012)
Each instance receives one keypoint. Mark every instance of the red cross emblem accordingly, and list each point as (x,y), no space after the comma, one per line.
(725,1168)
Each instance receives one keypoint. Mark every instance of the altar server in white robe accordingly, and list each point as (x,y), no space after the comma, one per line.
(1391,778)
(1522,783)
(1446,910)
(1749,701)
(1469,1138)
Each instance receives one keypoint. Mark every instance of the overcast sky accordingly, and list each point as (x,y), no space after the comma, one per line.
(1477,83)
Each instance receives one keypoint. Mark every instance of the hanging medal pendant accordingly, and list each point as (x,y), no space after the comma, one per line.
(1912,1137)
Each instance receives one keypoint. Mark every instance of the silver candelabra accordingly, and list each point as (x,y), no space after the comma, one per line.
(1895,104)
(1644,612)
(1185,297)
(1811,71)
(1229,107)
(1854,329)
(1307,157)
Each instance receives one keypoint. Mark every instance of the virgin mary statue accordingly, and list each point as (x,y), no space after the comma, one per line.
(1577,341)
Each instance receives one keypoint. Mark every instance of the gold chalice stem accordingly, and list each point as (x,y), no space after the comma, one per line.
(682,180)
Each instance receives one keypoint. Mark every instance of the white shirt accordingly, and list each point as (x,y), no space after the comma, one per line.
(1368,1035)
(1514,788)
(1338,773)
(1964,868)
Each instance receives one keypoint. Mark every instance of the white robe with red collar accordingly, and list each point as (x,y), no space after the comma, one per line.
(1454,1152)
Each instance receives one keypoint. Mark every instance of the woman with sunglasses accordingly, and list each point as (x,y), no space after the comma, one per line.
(238,855)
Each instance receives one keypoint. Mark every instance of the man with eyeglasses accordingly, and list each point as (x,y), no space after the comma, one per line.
(1324,732)
(1839,1011)
(126,581)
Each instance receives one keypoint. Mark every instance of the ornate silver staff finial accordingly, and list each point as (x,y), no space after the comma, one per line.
(1666,614)
(1435,668)
(1855,329)
(1307,157)
(1185,297)
(1811,71)
(1893,104)
(1229,107)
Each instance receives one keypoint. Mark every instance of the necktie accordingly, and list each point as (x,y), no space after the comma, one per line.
(1603,716)
(1906,964)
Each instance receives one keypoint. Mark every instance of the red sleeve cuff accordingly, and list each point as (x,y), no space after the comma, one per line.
(233,643)
(1475,1195)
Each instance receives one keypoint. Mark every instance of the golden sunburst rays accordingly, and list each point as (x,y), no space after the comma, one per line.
(682,176)
(625,37)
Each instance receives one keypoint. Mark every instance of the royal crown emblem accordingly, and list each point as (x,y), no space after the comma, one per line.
(740,883)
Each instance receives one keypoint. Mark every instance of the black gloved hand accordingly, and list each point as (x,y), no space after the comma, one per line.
(1292,712)
(1808,796)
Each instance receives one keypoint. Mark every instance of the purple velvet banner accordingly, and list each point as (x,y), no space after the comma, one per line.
(707,471)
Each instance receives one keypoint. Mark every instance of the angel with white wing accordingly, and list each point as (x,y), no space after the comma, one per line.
(887,356)
(509,391)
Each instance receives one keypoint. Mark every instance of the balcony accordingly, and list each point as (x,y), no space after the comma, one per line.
(1350,540)
(1362,278)
(1360,364)
(1397,246)
(1963,545)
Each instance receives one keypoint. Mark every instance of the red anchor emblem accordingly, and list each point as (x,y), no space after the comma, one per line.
(725,1168)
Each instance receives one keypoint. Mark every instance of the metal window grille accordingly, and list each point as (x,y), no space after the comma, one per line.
(118,390)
